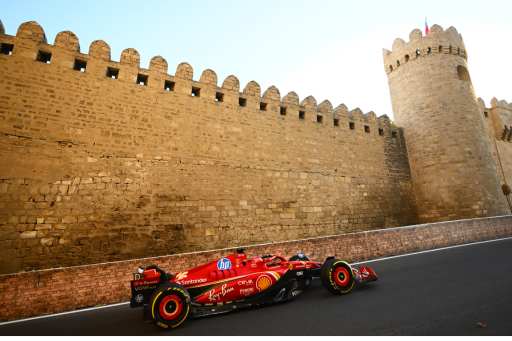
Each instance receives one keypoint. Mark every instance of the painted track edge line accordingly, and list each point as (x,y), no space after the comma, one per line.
(430,250)
(63,313)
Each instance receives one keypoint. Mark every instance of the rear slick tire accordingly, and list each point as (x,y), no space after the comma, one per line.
(337,276)
(169,305)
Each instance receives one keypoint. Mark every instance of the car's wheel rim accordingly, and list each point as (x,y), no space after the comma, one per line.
(341,276)
(170,307)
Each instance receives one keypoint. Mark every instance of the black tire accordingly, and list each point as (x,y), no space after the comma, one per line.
(337,276)
(296,257)
(169,305)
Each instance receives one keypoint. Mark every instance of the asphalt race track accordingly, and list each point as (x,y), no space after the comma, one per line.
(444,292)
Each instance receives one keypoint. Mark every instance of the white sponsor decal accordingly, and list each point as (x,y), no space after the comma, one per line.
(246,292)
(300,273)
(192,281)
(216,296)
(138,276)
(246,282)
(145,287)
(295,293)
(254,265)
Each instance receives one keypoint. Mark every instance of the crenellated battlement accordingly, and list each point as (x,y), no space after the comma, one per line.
(129,68)
(500,114)
(104,160)
(501,104)
(437,42)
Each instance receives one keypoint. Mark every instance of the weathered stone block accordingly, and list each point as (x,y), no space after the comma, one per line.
(69,219)
(29,234)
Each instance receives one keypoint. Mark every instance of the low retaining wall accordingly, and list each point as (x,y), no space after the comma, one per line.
(50,291)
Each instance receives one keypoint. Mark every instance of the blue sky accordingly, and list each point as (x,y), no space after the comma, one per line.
(329,49)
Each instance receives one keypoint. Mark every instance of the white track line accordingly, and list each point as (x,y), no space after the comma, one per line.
(64,313)
(431,250)
(368,261)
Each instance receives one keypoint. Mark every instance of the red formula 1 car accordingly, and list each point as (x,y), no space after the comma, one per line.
(235,282)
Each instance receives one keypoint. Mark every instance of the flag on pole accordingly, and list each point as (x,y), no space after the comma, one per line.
(426,27)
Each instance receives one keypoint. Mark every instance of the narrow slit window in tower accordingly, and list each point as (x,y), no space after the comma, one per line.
(302,115)
(196,92)
(428,50)
(112,73)
(352,125)
(282,110)
(391,68)
(418,52)
(450,50)
(458,51)
(486,114)
(142,79)
(367,129)
(80,65)
(397,63)
(44,57)
(319,119)
(406,58)
(336,122)
(6,49)
(219,97)
(394,134)
(381,131)
(242,102)
(440,48)
(263,106)
(169,86)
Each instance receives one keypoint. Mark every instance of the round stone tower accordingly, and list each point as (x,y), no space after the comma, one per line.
(452,166)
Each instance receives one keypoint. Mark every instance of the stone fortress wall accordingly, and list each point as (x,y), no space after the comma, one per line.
(498,119)
(105,161)
(454,171)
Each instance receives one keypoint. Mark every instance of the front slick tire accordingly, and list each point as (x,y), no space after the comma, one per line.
(169,305)
(337,276)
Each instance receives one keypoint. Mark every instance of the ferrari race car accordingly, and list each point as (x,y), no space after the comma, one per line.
(235,282)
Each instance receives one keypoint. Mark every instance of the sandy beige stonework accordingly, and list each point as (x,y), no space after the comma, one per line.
(454,172)
(107,161)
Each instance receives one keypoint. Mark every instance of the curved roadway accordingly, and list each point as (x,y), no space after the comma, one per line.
(440,292)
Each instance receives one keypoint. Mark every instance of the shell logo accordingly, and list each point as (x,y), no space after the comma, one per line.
(263,282)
